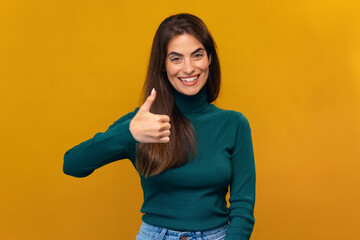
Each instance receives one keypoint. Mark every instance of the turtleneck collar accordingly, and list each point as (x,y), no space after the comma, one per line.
(191,104)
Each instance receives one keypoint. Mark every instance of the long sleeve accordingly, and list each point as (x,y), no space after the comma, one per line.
(242,185)
(103,148)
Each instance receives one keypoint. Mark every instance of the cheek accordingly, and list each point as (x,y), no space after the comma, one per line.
(172,70)
(203,65)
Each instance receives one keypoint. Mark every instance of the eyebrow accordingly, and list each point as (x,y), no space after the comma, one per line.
(178,54)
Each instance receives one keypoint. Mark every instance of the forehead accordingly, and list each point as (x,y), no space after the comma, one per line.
(184,43)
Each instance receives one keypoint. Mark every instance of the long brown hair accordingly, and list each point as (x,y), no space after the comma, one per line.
(154,158)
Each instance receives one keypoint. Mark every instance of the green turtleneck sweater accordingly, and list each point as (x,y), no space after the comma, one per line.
(190,197)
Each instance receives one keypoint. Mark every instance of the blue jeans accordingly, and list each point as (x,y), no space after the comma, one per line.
(151,232)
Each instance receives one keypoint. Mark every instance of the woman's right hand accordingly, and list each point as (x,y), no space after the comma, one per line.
(147,127)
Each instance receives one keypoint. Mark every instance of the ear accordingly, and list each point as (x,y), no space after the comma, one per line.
(209,59)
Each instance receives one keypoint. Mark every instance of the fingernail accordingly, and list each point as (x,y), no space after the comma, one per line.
(152,91)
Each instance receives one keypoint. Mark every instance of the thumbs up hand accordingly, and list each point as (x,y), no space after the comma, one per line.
(147,127)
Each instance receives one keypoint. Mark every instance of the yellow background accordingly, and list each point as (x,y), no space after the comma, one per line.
(68,69)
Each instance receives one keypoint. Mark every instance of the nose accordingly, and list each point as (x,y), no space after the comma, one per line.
(189,67)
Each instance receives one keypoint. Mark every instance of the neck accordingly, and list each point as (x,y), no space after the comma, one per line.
(191,104)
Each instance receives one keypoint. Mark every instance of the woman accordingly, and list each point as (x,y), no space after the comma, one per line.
(187,151)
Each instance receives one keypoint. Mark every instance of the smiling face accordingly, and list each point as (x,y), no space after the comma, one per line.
(187,64)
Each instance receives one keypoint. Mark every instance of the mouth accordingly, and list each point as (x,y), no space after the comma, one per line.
(189,79)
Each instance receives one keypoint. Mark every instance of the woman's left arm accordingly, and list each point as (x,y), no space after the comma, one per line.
(242,185)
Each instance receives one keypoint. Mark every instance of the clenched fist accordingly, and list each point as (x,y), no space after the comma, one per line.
(147,127)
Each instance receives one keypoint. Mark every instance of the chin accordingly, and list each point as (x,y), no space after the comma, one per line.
(190,92)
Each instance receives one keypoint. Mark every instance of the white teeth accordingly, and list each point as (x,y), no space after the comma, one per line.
(189,79)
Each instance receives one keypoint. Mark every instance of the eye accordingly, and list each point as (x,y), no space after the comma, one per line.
(198,55)
(175,59)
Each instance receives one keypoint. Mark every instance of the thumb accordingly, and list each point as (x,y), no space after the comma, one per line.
(149,101)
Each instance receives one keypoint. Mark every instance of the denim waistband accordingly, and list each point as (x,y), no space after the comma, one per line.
(170,232)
